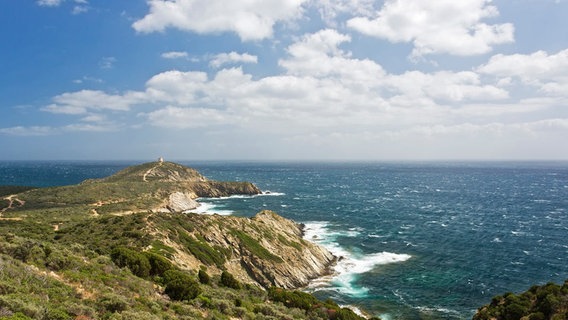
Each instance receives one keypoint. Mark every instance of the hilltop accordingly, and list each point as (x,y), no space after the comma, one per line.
(126,247)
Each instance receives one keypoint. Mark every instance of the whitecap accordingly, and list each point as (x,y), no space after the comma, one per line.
(272,193)
(210,208)
(437,309)
(246,196)
(350,264)
(497,240)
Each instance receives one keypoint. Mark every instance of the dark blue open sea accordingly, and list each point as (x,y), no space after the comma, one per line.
(427,240)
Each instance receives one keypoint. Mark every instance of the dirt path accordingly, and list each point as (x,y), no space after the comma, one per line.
(150,171)
(12,203)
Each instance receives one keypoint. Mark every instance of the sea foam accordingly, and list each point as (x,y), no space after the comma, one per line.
(350,264)
(210,208)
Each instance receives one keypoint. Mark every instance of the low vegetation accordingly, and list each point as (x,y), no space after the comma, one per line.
(538,303)
(45,280)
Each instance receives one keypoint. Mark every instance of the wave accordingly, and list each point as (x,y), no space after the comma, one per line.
(210,208)
(350,264)
(244,196)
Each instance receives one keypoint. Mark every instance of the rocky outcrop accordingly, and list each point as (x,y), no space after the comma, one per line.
(180,202)
(267,249)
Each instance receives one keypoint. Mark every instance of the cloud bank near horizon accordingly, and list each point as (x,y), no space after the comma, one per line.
(328,91)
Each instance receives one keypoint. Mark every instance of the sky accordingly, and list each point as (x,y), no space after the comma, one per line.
(284,80)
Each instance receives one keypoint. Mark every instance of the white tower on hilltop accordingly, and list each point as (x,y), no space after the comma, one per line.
(160,160)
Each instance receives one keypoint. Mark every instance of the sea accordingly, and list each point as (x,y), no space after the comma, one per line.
(416,240)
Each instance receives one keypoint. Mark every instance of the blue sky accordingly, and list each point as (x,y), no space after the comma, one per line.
(284,79)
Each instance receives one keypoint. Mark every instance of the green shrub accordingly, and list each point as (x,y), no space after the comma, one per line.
(203,277)
(133,260)
(293,299)
(158,264)
(17,316)
(57,314)
(229,281)
(539,302)
(113,303)
(180,286)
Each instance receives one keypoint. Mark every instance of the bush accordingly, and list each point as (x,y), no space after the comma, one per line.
(133,260)
(293,299)
(17,316)
(113,303)
(180,286)
(158,264)
(229,281)
(539,302)
(58,314)
(203,277)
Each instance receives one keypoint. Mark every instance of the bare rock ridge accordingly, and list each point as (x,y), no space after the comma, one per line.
(267,249)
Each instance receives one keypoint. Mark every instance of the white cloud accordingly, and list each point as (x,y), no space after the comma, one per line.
(81,101)
(174,55)
(324,89)
(331,9)
(453,27)
(80,9)
(186,118)
(181,88)
(107,62)
(249,19)
(547,72)
(27,131)
(232,57)
(49,3)
(445,86)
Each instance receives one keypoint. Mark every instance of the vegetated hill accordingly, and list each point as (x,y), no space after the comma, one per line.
(155,186)
(538,303)
(116,248)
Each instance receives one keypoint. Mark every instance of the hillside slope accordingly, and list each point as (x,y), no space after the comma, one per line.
(141,207)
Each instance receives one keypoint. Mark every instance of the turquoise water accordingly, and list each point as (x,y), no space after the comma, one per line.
(418,240)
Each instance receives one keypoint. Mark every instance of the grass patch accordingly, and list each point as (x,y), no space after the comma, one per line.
(203,251)
(254,246)
(292,244)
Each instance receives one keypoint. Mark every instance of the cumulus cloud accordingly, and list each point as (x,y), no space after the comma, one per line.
(107,62)
(452,27)
(174,55)
(324,89)
(27,131)
(330,9)
(549,72)
(249,19)
(49,3)
(232,57)
(81,101)
(186,118)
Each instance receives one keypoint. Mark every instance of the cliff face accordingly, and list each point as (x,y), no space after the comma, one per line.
(267,249)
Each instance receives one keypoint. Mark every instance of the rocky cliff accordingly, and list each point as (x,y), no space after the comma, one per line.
(266,249)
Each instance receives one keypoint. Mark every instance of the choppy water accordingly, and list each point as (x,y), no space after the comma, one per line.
(419,240)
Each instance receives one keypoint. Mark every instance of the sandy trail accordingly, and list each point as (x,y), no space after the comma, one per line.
(13,202)
(150,171)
